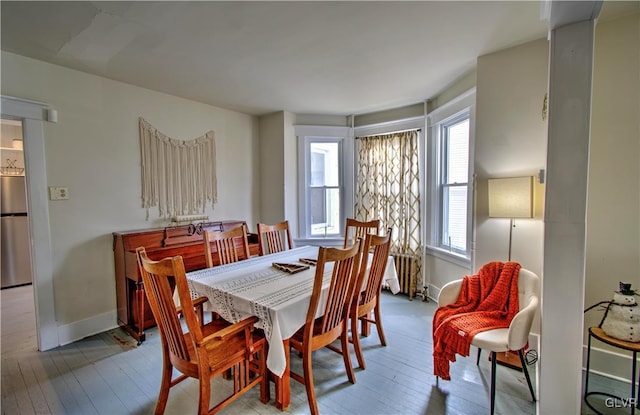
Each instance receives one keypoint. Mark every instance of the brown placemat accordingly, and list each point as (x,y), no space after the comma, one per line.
(290,268)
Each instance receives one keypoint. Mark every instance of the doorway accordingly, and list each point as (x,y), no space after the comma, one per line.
(32,116)
(18,309)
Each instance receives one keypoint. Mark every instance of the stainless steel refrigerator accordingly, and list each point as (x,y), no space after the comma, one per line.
(14,233)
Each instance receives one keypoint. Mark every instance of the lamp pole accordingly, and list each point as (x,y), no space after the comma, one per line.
(511,226)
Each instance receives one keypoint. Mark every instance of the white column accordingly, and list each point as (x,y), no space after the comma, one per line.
(570,70)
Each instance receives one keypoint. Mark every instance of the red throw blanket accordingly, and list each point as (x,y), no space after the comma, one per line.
(487,301)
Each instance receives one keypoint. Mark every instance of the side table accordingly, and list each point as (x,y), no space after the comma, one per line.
(598,333)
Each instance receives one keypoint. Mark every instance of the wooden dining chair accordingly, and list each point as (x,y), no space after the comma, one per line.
(227,244)
(368,299)
(333,323)
(274,238)
(203,351)
(358,229)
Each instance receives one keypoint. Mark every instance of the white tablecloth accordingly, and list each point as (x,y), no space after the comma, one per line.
(280,300)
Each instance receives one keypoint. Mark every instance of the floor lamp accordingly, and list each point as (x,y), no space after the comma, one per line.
(511,198)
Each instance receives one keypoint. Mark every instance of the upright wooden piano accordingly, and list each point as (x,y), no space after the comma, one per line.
(134,313)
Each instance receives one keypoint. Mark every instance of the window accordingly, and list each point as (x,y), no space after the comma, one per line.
(325,163)
(449,160)
(454,145)
(324,188)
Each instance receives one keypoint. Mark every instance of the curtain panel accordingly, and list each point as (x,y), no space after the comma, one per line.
(388,187)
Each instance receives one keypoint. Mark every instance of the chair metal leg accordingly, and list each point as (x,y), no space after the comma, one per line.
(493,381)
(526,374)
(478,359)
(586,381)
(633,384)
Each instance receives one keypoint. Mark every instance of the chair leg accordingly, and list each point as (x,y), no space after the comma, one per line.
(526,373)
(308,383)
(204,394)
(493,381)
(346,356)
(167,372)
(265,395)
(478,359)
(356,343)
(377,313)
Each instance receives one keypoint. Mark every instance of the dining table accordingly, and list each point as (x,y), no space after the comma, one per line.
(279,298)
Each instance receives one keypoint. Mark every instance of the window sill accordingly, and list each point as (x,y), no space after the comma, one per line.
(451,257)
(333,242)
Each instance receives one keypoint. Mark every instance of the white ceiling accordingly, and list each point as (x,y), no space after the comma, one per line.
(258,57)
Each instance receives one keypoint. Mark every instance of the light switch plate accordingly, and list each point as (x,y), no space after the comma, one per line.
(58,193)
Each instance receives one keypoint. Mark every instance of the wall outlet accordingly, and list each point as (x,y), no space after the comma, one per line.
(58,193)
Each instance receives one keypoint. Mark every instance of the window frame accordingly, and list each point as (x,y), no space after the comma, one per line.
(326,134)
(443,179)
(451,113)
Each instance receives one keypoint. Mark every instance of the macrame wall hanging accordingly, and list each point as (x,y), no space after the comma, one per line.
(178,176)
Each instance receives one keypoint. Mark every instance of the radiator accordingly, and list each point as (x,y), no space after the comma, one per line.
(407,267)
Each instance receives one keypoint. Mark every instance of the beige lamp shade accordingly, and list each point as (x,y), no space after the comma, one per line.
(511,197)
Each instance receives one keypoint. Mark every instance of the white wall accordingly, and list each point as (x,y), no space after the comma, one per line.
(461,85)
(321,119)
(94,151)
(439,270)
(290,173)
(613,205)
(279,163)
(409,111)
(510,142)
(272,167)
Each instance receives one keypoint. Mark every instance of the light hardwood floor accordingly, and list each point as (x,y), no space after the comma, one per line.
(108,374)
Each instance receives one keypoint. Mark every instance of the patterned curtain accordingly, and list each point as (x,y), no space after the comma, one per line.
(388,187)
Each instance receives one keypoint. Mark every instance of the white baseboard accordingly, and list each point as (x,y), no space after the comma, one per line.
(77,330)
(434,292)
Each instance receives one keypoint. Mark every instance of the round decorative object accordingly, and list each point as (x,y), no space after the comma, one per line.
(622,320)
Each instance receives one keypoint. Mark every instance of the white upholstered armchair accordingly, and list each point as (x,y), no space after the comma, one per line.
(515,337)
